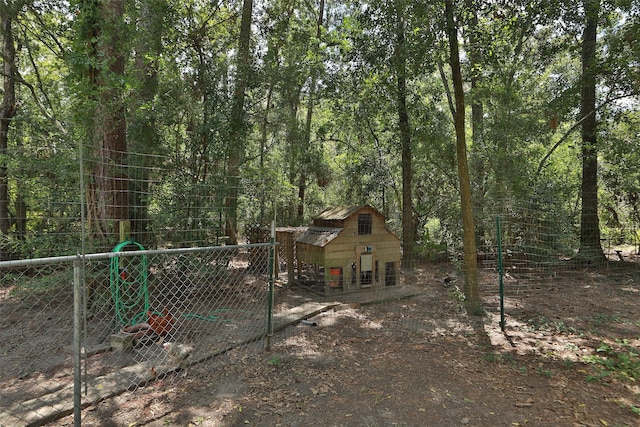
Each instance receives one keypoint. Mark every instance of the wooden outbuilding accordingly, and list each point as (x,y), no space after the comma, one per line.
(348,249)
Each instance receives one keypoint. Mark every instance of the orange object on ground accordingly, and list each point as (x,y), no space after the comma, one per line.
(161,324)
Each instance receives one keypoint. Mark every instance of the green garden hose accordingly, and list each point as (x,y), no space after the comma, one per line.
(129,289)
(129,286)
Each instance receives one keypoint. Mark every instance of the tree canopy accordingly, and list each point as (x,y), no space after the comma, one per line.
(193,119)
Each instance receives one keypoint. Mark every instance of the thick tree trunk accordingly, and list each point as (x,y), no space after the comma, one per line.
(471,291)
(408,228)
(237,133)
(144,136)
(7,112)
(477,154)
(107,196)
(590,247)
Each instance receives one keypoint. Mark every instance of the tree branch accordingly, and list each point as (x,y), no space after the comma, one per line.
(447,90)
(18,78)
(574,127)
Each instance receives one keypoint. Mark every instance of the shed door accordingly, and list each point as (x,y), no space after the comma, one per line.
(366,269)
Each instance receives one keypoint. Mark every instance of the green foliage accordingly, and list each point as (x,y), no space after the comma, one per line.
(503,358)
(275,361)
(542,323)
(606,319)
(430,251)
(456,294)
(617,360)
(545,372)
(621,178)
(178,94)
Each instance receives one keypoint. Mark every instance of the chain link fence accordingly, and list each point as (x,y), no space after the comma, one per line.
(76,330)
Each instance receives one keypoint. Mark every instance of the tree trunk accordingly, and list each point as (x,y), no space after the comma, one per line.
(293,137)
(107,201)
(471,291)
(307,131)
(590,247)
(144,136)
(7,112)
(237,133)
(20,204)
(264,133)
(408,230)
(477,155)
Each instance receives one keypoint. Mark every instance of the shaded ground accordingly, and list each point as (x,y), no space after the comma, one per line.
(421,361)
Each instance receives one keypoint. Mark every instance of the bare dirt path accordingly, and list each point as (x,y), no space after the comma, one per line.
(569,358)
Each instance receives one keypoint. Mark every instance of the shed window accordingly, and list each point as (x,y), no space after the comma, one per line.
(364,224)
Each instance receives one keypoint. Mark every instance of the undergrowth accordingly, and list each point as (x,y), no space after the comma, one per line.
(618,361)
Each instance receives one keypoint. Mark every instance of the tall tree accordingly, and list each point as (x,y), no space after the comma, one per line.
(475,58)
(101,27)
(471,290)
(294,65)
(310,104)
(478,160)
(7,112)
(400,59)
(143,127)
(237,126)
(590,246)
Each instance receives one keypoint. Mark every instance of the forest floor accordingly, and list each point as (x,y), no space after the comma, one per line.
(568,357)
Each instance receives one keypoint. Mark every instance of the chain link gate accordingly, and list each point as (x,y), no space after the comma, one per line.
(132,316)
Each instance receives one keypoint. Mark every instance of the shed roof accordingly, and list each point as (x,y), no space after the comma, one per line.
(338,213)
(319,236)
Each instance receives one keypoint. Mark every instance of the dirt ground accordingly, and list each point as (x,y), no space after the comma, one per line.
(421,361)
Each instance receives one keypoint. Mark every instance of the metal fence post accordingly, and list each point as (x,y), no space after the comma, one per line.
(272,250)
(77,347)
(500,273)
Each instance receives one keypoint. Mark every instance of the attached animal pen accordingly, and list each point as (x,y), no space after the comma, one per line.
(285,262)
(107,327)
